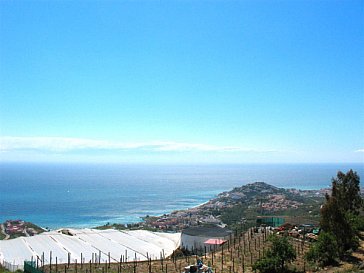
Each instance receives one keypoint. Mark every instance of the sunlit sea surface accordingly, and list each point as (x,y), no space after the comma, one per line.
(89,195)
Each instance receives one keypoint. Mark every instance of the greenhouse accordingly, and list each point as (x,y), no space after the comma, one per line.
(90,244)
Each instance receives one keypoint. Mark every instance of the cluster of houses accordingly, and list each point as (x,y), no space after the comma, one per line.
(14,226)
(179,220)
(278,202)
(18,227)
(310,193)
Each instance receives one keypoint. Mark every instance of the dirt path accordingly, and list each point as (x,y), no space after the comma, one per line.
(360,252)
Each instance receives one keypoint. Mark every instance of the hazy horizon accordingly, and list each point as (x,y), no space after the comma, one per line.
(200,82)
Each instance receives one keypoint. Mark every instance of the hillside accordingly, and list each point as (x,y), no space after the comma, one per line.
(243,204)
(11,229)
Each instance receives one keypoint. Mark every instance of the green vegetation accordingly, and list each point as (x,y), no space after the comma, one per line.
(341,210)
(135,226)
(4,270)
(233,216)
(358,222)
(340,221)
(324,251)
(310,209)
(38,229)
(275,259)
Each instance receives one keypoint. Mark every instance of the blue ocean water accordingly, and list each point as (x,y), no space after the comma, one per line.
(89,195)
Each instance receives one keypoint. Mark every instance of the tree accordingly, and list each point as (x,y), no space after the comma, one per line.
(346,189)
(340,210)
(280,252)
(324,251)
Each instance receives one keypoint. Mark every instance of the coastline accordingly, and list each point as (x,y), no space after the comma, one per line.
(143,219)
(124,194)
(276,199)
(250,195)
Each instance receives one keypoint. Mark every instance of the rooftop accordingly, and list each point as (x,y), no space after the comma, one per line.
(207,231)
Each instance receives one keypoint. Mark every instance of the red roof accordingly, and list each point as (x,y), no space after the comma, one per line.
(215,242)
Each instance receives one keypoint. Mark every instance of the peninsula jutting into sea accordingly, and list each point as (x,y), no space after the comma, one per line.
(227,209)
(245,202)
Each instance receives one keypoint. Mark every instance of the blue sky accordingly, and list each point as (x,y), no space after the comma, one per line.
(182,81)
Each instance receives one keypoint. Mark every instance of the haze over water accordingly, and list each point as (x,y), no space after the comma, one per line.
(88,195)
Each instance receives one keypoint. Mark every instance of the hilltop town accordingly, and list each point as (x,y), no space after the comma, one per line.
(17,228)
(241,204)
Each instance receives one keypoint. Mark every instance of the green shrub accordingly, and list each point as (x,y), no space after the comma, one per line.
(325,251)
(274,260)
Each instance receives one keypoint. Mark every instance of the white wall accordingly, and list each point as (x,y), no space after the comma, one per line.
(190,242)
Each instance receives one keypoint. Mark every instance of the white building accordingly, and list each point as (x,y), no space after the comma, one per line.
(194,238)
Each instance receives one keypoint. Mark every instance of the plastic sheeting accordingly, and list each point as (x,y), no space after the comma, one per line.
(94,245)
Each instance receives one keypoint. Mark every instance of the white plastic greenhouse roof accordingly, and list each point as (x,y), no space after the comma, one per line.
(91,243)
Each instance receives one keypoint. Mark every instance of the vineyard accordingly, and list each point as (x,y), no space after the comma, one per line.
(237,255)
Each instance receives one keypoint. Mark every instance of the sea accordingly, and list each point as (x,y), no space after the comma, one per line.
(89,195)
